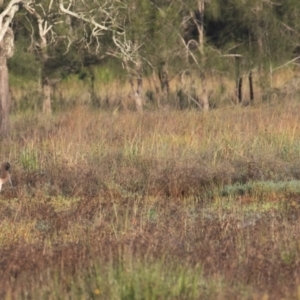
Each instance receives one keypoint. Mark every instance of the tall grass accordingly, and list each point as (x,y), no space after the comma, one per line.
(185,147)
(163,205)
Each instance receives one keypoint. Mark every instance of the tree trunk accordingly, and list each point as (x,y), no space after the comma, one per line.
(251,90)
(205,101)
(4,97)
(239,80)
(138,92)
(42,43)
(93,96)
(200,28)
(240,90)
(157,90)
(200,25)
(6,51)
(46,90)
(164,80)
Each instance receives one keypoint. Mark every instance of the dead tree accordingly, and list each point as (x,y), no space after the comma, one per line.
(197,16)
(41,44)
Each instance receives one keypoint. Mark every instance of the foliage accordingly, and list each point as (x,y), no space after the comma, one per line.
(193,42)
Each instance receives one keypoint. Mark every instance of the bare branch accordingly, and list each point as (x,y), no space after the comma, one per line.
(50,5)
(42,25)
(81,17)
(188,49)
(287,63)
(7,15)
(7,10)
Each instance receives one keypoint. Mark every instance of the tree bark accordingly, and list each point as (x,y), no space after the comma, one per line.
(240,90)
(157,90)
(205,101)
(4,97)
(164,79)
(46,90)
(138,92)
(251,90)
(6,51)
(238,79)
(43,28)
(200,27)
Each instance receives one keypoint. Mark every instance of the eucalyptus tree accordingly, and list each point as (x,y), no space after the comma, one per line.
(196,46)
(6,51)
(51,24)
(144,41)
(155,36)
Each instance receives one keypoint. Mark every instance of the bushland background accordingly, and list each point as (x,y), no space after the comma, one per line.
(178,54)
(156,157)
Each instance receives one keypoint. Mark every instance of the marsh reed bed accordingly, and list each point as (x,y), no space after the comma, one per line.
(163,205)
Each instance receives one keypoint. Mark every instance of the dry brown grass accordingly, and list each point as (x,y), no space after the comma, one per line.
(100,189)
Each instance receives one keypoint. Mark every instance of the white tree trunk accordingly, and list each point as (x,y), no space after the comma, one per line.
(6,51)
(4,97)
(200,27)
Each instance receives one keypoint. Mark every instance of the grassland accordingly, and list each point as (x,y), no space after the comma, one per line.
(163,205)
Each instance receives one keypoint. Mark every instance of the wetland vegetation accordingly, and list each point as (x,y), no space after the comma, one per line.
(159,205)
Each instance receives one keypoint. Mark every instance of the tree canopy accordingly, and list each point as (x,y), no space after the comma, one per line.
(65,36)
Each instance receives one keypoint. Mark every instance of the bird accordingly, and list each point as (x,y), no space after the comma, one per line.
(5,174)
